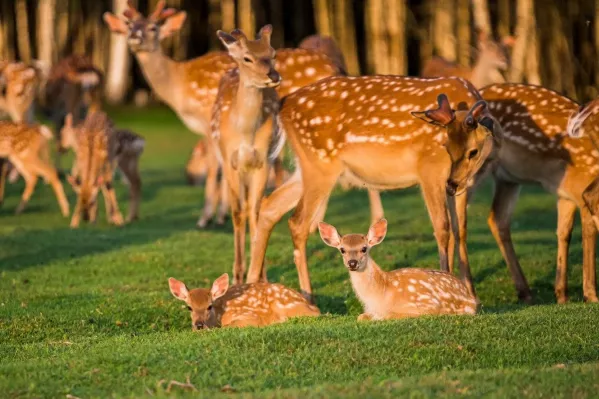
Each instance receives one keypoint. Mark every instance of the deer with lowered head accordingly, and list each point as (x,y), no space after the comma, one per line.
(247,305)
(365,127)
(190,87)
(491,62)
(407,292)
(244,129)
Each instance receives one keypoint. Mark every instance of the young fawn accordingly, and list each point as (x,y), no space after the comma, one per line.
(245,305)
(408,292)
(26,147)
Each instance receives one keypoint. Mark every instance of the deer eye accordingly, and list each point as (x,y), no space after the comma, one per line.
(209,307)
(248,59)
(364,249)
(342,250)
(472,153)
(470,122)
(189,308)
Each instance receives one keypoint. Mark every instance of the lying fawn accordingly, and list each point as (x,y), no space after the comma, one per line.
(400,293)
(26,147)
(190,87)
(245,305)
(492,60)
(243,126)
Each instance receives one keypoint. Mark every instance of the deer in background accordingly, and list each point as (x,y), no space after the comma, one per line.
(19,83)
(492,60)
(363,127)
(246,305)
(243,126)
(26,147)
(534,148)
(407,292)
(190,87)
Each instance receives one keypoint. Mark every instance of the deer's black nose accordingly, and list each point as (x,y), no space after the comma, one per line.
(198,325)
(451,187)
(274,76)
(353,264)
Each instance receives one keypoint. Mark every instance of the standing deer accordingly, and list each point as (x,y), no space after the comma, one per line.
(491,62)
(190,87)
(407,292)
(364,127)
(19,87)
(243,127)
(26,147)
(246,305)
(534,148)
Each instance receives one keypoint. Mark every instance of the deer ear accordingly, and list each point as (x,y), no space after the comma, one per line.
(377,232)
(265,33)
(227,39)
(478,109)
(115,24)
(172,24)
(329,235)
(442,116)
(508,41)
(178,289)
(220,286)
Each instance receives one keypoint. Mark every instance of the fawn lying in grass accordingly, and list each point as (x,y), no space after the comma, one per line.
(400,293)
(244,305)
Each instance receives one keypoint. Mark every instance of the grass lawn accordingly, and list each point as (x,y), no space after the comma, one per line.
(88,312)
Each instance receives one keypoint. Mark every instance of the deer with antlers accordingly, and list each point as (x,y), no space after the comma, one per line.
(246,305)
(534,148)
(365,127)
(190,87)
(243,127)
(491,61)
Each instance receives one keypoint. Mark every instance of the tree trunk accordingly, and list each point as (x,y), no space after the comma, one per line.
(322,17)
(525,12)
(23,30)
(118,67)
(377,48)
(482,20)
(276,16)
(346,32)
(45,31)
(246,18)
(532,52)
(504,24)
(463,19)
(62,26)
(228,14)
(444,37)
(396,28)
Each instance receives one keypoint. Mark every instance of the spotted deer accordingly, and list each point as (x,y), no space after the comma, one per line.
(190,87)
(96,158)
(26,147)
(407,292)
(383,132)
(492,60)
(19,86)
(534,148)
(246,305)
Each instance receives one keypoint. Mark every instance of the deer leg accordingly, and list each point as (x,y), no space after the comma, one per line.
(435,200)
(115,215)
(376,206)
(452,238)
(239,212)
(3,173)
(224,205)
(279,171)
(589,236)
(566,210)
(49,174)
(210,187)
(129,167)
(320,214)
(30,182)
(459,213)
(504,201)
(76,214)
(256,193)
(272,209)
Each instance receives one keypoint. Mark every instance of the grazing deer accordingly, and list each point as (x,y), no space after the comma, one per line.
(401,293)
(74,87)
(534,148)
(491,62)
(26,147)
(190,87)
(244,129)
(245,305)
(364,127)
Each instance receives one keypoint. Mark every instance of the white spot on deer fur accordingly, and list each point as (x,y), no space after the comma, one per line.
(310,71)
(411,288)
(344,94)
(310,104)
(330,144)
(301,100)
(395,283)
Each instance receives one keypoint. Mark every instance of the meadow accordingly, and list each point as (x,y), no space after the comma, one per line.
(88,313)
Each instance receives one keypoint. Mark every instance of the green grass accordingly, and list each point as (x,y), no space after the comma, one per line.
(88,313)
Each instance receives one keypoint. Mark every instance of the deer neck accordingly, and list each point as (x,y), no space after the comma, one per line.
(248,107)
(370,283)
(161,73)
(483,72)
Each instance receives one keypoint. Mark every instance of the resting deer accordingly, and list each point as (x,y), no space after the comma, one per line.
(26,147)
(244,129)
(492,60)
(401,293)
(245,305)
(364,127)
(534,148)
(190,87)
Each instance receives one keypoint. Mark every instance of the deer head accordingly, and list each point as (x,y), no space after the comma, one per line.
(354,248)
(144,34)
(470,140)
(495,53)
(200,301)
(255,58)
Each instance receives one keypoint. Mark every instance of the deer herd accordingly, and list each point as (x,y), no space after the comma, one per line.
(445,131)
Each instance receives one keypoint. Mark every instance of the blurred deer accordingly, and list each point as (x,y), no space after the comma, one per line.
(407,292)
(491,61)
(244,305)
(19,83)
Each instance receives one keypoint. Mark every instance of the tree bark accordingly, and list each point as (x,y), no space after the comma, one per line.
(346,33)
(532,53)
(463,19)
(118,67)
(45,32)
(23,30)
(322,17)
(525,12)
(62,26)
(444,37)
(228,14)
(504,24)
(482,20)
(246,18)
(396,28)
(378,61)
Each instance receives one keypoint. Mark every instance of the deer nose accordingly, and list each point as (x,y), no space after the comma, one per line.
(353,264)
(198,325)
(451,187)
(274,76)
